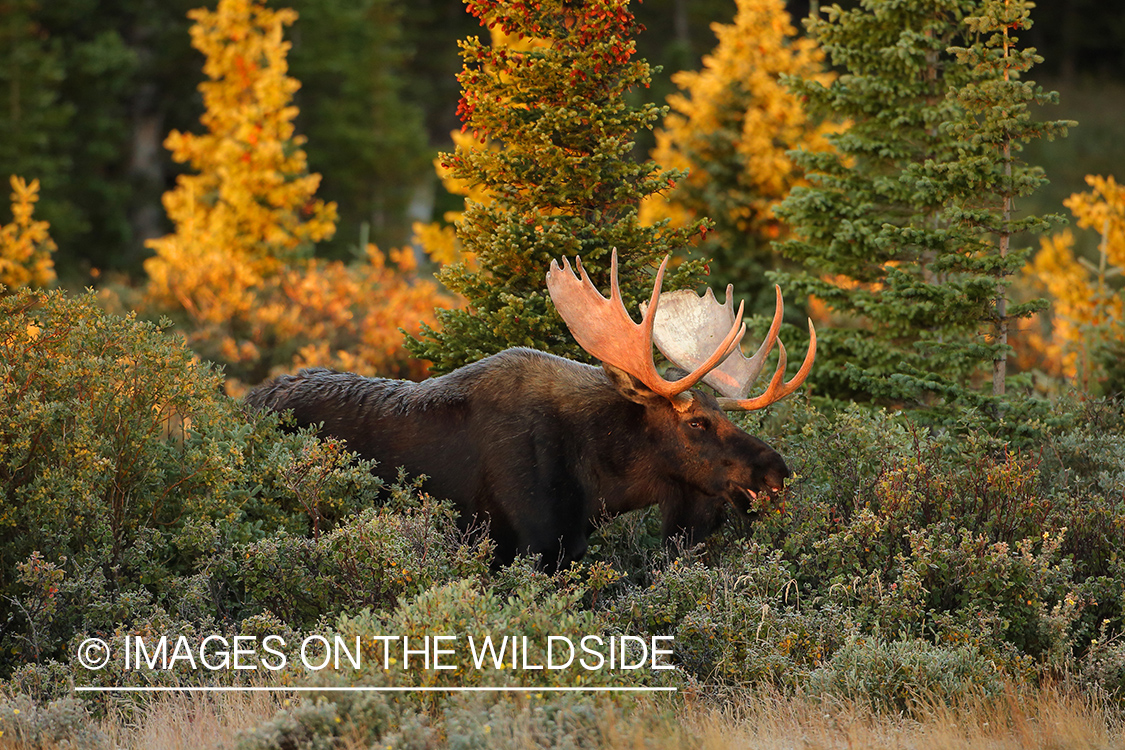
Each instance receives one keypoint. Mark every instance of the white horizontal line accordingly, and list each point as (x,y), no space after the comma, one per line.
(308,689)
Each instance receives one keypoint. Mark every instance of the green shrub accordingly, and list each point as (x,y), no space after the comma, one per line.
(631,543)
(368,562)
(545,606)
(900,675)
(461,722)
(556,721)
(521,602)
(350,718)
(1102,669)
(122,464)
(902,535)
(310,726)
(739,622)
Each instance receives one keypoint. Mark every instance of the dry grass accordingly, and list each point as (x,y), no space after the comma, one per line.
(191,722)
(1049,720)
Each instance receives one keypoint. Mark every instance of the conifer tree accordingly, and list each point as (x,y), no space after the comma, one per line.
(561,182)
(900,232)
(997,101)
(34,117)
(25,244)
(731,128)
(363,137)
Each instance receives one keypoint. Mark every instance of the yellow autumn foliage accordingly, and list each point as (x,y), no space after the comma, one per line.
(25,244)
(329,314)
(1087,310)
(1103,210)
(238,269)
(250,206)
(736,114)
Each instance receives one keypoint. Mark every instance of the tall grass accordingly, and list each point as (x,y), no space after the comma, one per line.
(191,722)
(1046,719)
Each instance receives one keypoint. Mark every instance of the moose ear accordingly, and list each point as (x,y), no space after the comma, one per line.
(637,392)
(629,387)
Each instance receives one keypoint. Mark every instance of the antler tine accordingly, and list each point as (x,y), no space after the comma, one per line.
(604,328)
(775,391)
(753,366)
(687,320)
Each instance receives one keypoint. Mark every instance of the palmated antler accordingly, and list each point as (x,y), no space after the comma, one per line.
(604,328)
(686,321)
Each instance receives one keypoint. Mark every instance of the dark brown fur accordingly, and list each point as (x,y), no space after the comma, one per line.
(540,446)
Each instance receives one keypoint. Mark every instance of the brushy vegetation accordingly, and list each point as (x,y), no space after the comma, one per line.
(919,576)
(124,468)
(907,567)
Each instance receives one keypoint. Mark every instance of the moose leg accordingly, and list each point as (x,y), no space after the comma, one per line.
(558,552)
(525,520)
(546,524)
(533,496)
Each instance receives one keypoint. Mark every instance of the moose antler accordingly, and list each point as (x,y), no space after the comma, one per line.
(685,320)
(604,328)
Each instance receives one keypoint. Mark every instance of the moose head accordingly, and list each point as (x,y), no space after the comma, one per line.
(716,463)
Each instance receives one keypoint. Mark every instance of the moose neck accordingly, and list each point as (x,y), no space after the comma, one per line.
(613,441)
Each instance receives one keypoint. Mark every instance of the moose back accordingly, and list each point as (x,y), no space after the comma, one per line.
(540,447)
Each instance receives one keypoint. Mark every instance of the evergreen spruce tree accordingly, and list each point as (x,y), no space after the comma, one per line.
(367,142)
(897,233)
(997,101)
(33,115)
(562,182)
(127,74)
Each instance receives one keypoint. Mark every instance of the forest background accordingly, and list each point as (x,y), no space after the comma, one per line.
(93,88)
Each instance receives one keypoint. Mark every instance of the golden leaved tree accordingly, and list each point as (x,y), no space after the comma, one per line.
(25,245)
(238,268)
(730,128)
(250,207)
(1088,321)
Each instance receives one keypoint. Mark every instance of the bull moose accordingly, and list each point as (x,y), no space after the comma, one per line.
(539,447)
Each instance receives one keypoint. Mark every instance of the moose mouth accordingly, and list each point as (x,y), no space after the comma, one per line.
(751,502)
(767,493)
